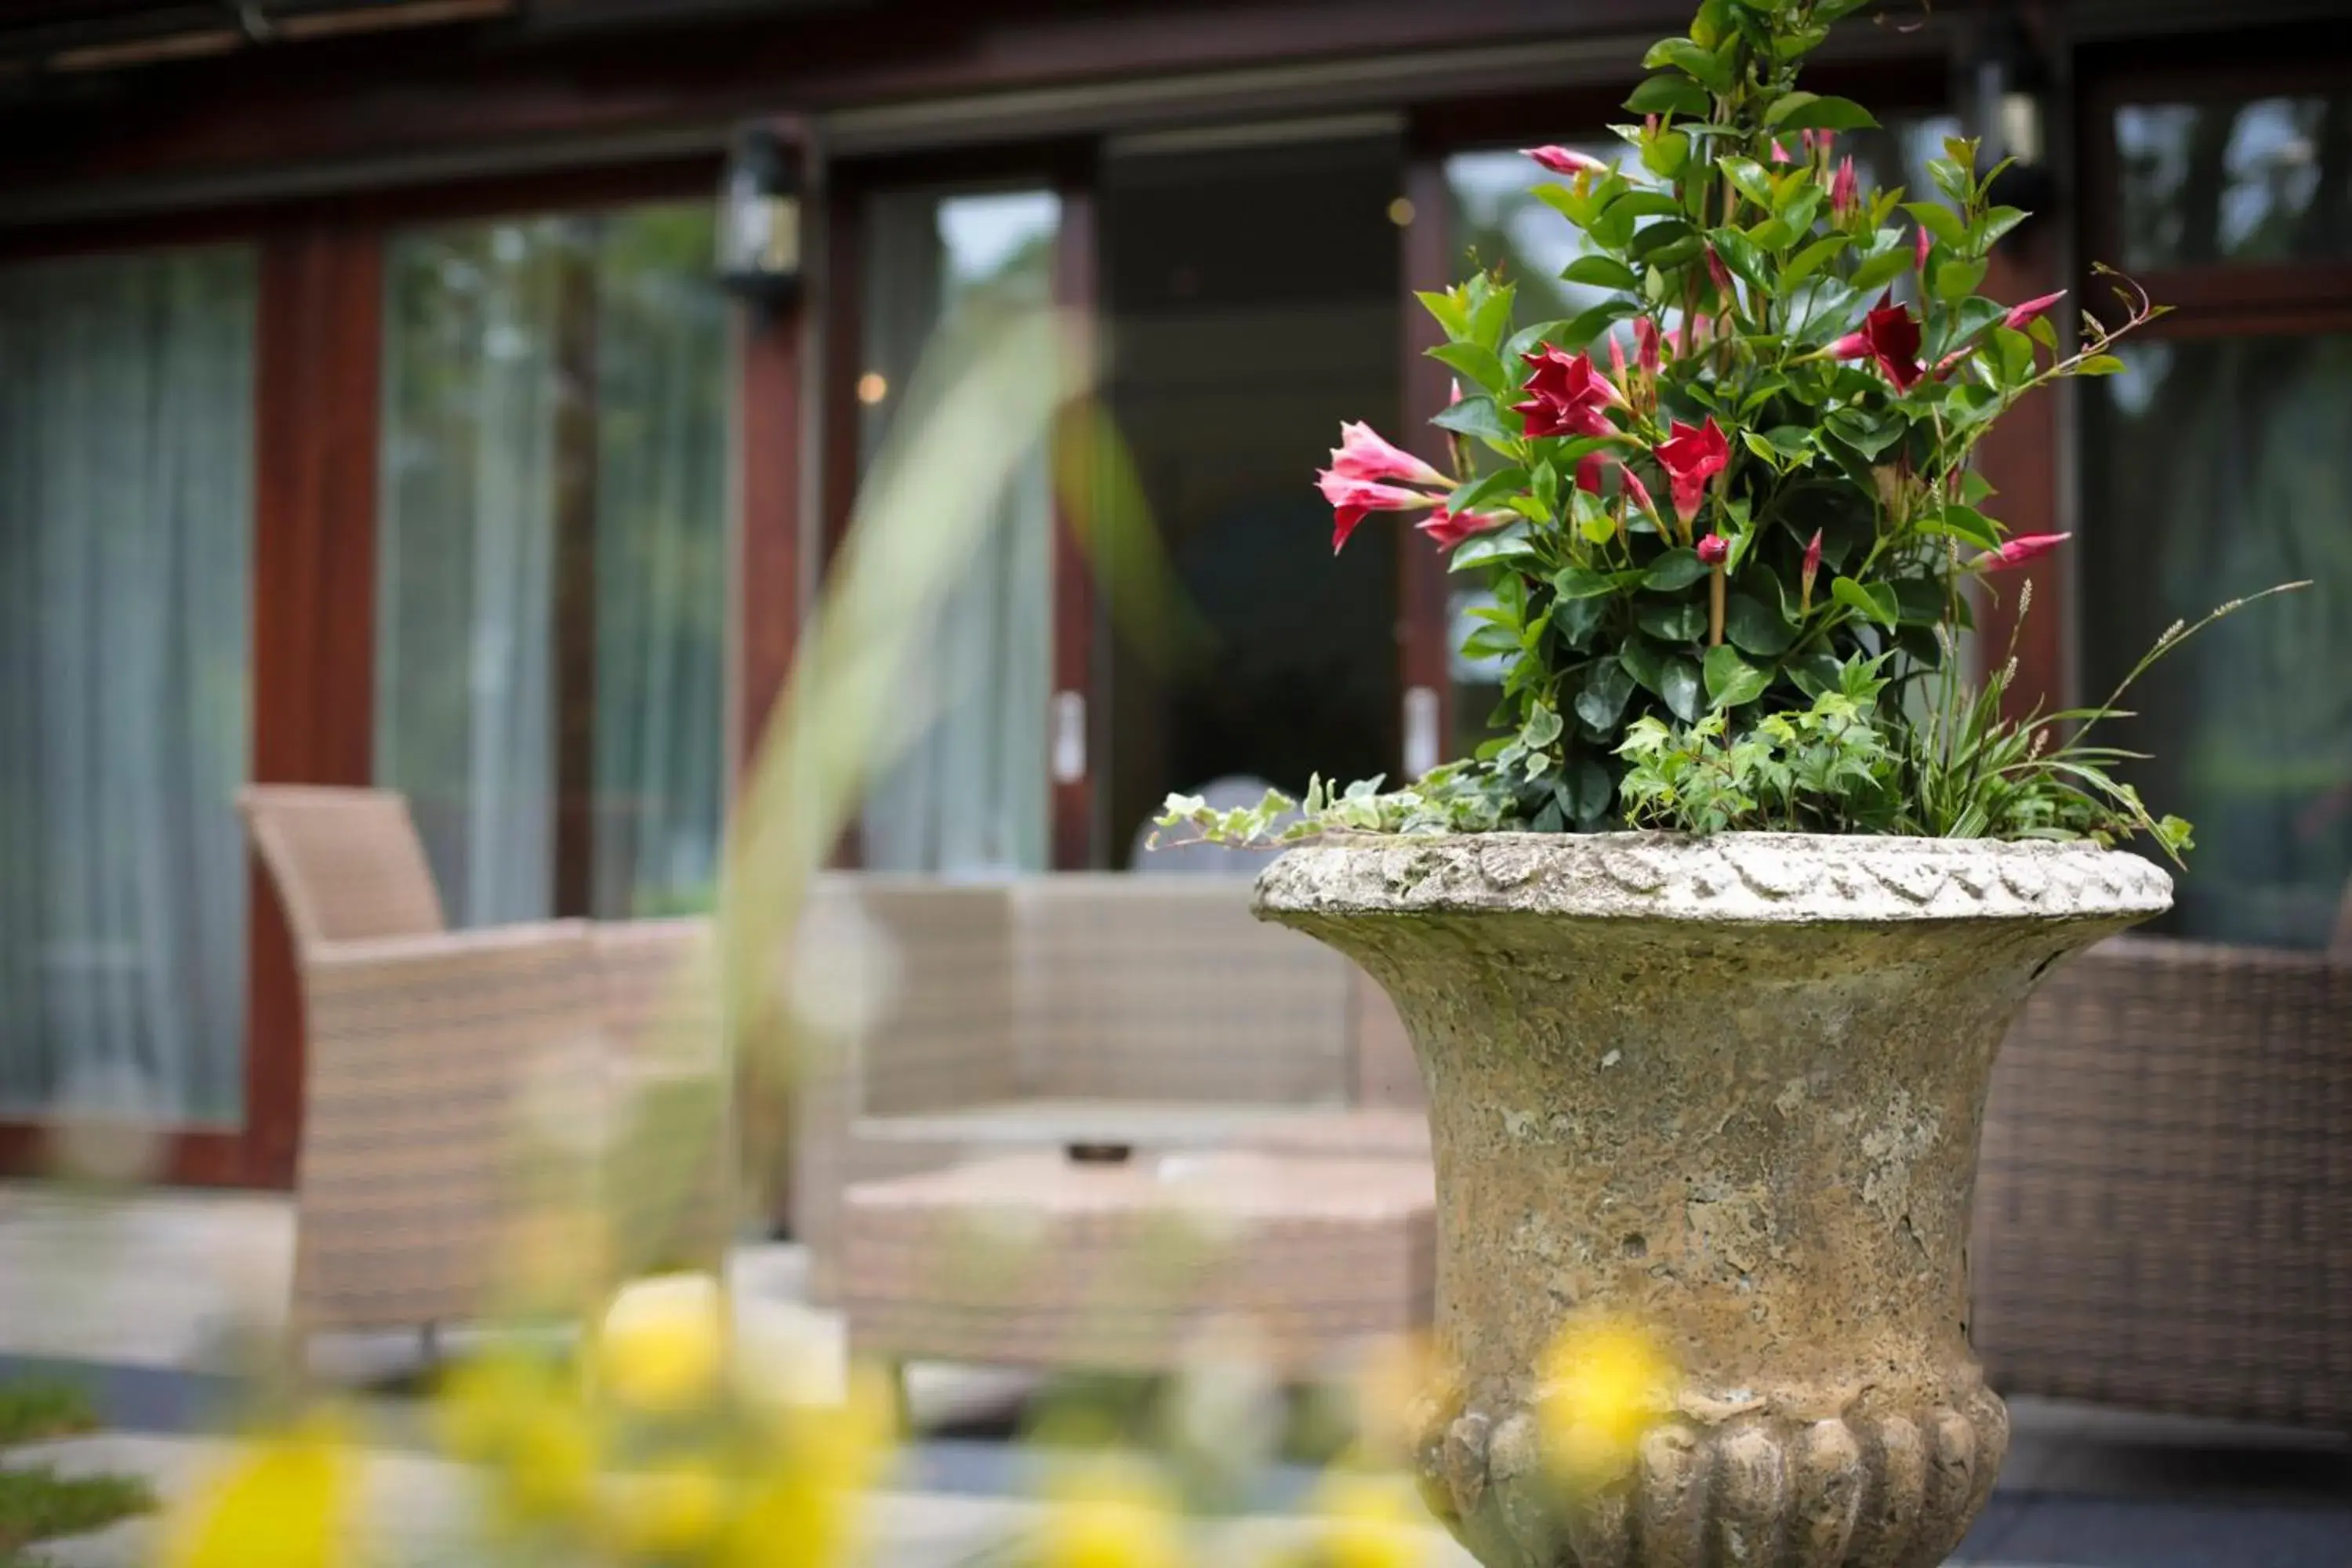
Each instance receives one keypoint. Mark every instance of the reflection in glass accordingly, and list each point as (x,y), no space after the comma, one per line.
(970,794)
(2264,180)
(2213,468)
(555,385)
(126,507)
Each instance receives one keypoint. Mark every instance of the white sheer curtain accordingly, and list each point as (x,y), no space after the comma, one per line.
(126,443)
(475,391)
(971,795)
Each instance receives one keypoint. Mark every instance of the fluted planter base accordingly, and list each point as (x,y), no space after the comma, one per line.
(1726,1092)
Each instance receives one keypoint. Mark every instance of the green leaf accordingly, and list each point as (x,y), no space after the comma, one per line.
(1491,315)
(1785,105)
(1678,682)
(1957,280)
(2099,365)
(1749,624)
(1602,271)
(1574,621)
(1583,583)
(1490,642)
(1919,601)
(1732,679)
(1675,569)
(1509,543)
(1683,620)
(1476,415)
(1450,312)
(1876,271)
(1807,261)
(1940,221)
(1962,523)
(1665,154)
(1646,661)
(1578,334)
(1819,114)
(1479,491)
(1713,73)
(2015,353)
(1740,255)
(1750,178)
(1604,694)
(1996,223)
(1543,727)
(1476,362)
(1773,234)
(1813,673)
(1668,94)
(1876,602)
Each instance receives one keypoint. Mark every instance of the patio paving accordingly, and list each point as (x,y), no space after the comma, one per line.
(153,1298)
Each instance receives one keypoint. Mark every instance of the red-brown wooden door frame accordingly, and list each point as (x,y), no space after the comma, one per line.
(317,367)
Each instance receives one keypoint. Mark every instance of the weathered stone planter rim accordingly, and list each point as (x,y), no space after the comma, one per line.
(1730,878)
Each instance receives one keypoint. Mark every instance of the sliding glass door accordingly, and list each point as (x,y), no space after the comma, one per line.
(126,514)
(551,534)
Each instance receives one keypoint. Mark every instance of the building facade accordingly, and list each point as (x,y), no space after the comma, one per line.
(370,412)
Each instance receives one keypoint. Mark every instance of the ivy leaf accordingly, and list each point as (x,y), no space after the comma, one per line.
(1749,624)
(1585,789)
(1732,679)
(1679,680)
(1876,602)
(1542,728)
(1676,569)
(1604,694)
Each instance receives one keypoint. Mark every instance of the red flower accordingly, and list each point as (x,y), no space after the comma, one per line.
(1691,457)
(1645,345)
(1780,153)
(2021,315)
(1718,274)
(1447,529)
(1638,492)
(1890,334)
(1590,469)
(1567,159)
(1714,550)
(1842,186)
(1362,455)
(1806,575)
(2019,551)
(1352,500)
(1565,395)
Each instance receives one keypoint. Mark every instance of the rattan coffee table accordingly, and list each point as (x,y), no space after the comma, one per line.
(1048,1260)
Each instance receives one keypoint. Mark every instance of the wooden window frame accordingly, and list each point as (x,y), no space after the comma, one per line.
(318,354)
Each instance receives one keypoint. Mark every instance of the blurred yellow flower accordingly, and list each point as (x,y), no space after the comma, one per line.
(550,1462)
(1110,1517)
(663,1345)
(1604,1382)
(1366,1521)
(669,1511)
(279,1502)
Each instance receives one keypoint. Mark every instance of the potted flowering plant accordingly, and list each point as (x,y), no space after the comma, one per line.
(1717,1089)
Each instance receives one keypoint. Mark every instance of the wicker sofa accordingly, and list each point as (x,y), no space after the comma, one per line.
(1041,1012)
(429,1052)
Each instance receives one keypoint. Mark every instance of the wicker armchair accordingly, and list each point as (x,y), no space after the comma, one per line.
(426,1049)
(2164,1218)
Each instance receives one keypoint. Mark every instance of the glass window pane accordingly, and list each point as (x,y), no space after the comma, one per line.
(970,792)
(126,504)
(2267,179)
(555,383)
(2212,468)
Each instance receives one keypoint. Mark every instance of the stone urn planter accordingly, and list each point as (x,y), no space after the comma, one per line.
(1730,1090)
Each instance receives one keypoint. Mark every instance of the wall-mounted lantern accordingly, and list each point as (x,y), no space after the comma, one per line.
(759,219)
(2009,110)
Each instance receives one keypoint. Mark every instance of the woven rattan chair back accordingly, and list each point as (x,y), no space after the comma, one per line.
(347,862)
